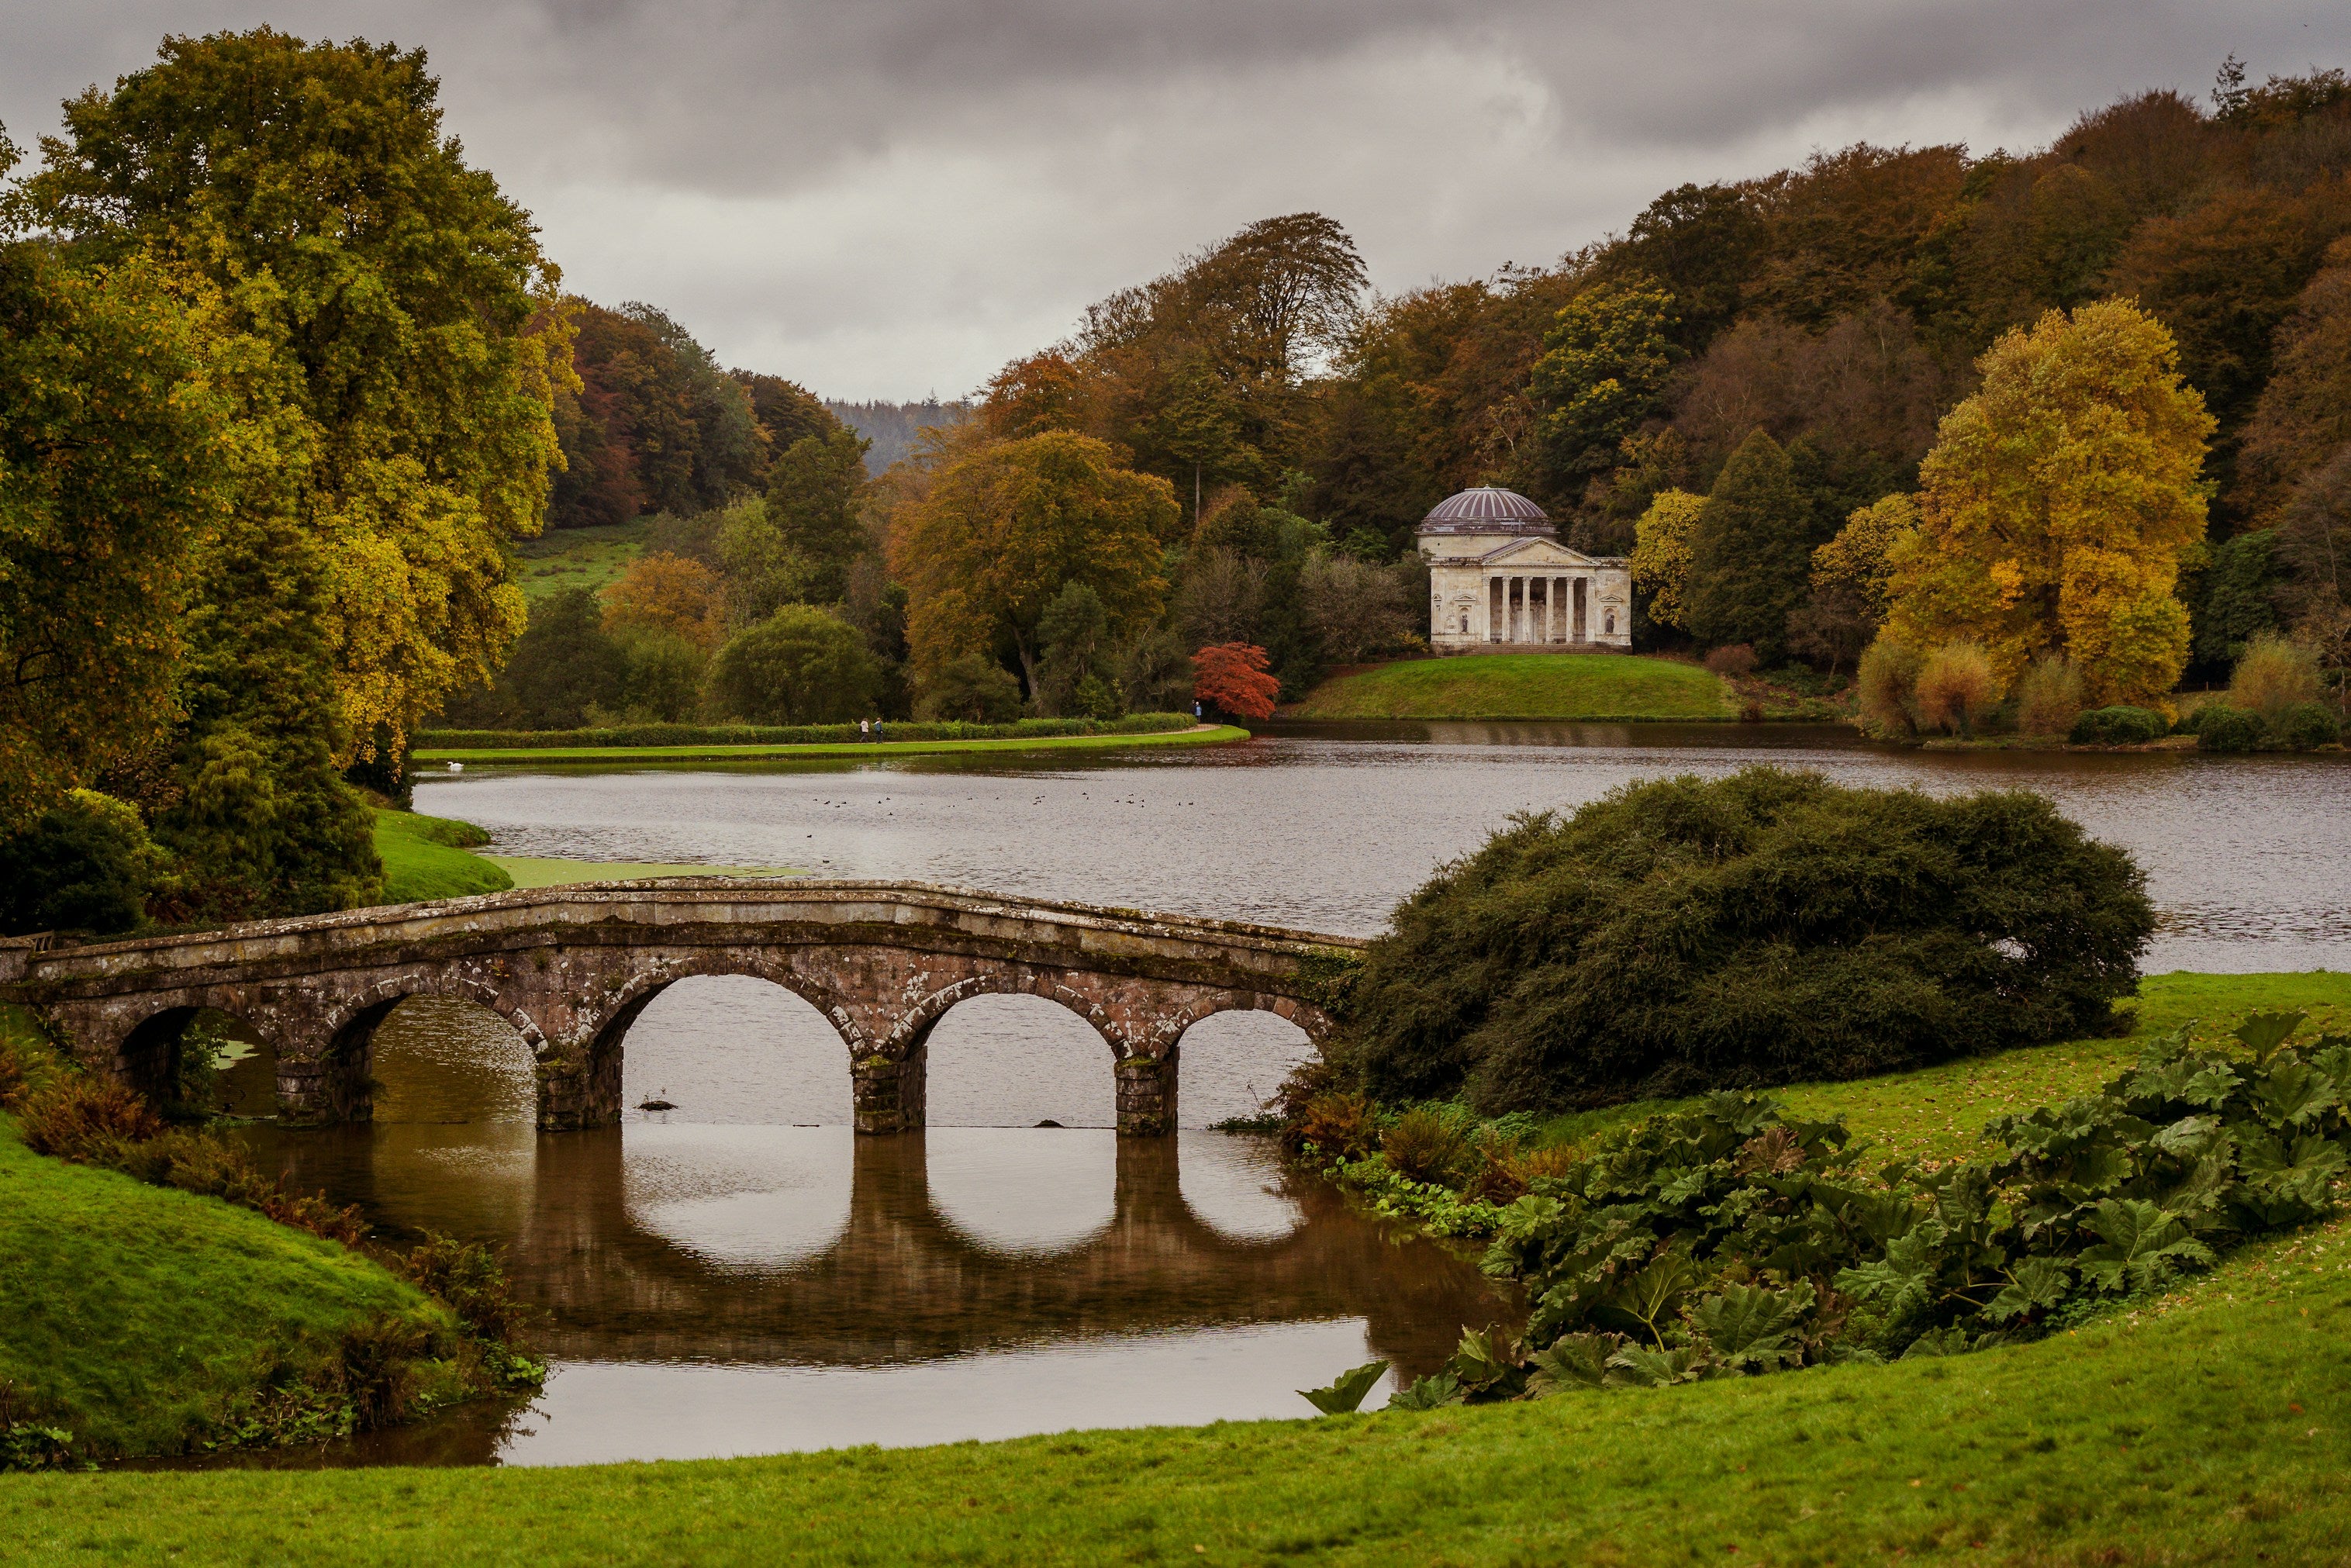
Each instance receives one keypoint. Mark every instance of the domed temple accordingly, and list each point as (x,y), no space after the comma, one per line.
(1500,581)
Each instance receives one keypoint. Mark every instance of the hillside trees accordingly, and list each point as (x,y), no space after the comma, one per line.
(2057,504)
(1602,373)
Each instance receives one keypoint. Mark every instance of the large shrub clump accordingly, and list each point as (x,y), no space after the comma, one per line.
(1769,927)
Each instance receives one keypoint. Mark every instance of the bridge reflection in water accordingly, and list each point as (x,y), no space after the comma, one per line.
(722,1288)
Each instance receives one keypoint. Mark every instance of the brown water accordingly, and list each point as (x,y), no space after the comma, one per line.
(742,1275)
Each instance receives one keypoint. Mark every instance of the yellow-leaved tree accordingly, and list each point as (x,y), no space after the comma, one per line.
(2058,504)
(1661,554)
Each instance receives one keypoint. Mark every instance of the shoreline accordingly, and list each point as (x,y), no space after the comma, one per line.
(1199,735)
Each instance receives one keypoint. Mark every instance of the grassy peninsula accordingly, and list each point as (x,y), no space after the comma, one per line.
(432,857)
(139,1319)
(1589,686)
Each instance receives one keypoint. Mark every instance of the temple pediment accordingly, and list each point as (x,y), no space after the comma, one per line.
(1537,554)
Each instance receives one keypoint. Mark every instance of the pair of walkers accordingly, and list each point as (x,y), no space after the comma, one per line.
(869,729)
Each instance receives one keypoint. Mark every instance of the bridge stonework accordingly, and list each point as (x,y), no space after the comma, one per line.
(571,967)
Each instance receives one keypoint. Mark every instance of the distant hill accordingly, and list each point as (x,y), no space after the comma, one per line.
(892,427)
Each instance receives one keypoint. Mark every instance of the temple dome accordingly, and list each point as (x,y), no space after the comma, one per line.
(1487,509)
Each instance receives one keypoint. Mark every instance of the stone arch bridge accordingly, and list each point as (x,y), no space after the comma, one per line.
(571,967)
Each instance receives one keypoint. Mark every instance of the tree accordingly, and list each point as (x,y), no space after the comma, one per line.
(563,667)
(1006,526)
(109,468)
(1661,555)
(83,863)
(800,665)
(1235,678)
(813,489)
(2058,504)
(1602,371)
(664,593)
(971,687)
(1750,551)
(1860,557)
(1355,612)
(1079,671)
(405,300)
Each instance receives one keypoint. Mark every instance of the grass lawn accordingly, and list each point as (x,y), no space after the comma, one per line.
(1939,1112)
(1596,686)
(134,1316)
(578,557)
(1203,734)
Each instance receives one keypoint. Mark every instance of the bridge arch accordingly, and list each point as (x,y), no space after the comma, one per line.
(1052,1057)
(1235,1052)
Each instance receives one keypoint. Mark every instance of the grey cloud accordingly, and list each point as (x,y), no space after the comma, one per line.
(887,198)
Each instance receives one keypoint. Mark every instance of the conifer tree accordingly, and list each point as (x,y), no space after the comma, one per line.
(1751,551)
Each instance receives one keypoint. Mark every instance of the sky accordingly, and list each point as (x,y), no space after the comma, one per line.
(891,198)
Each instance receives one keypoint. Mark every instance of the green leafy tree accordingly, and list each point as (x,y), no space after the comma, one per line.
(813,489)
(800,665)
(1661,555)
(403,297)
(1602,371)
(565,666)
(1751,551)
(85,863)
(111,445)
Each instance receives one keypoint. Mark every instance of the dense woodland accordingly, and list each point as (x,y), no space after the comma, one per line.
(1997,437)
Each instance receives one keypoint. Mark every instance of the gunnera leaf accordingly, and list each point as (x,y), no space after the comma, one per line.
(1346,1391)
(1428,1393)
(2262,1033)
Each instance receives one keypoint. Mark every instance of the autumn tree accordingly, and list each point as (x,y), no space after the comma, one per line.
(1006,526)
(1661,555)
(1751,551)
(402,296)
(667,593)
(1236,678)
(109,470)
(1860,557)
(2058,504)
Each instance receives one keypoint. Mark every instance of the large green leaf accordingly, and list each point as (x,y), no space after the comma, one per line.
(2141,1247)
(1638,1366)
(1346,1392)
(1574,1361)
(1748,1325)
(2292,1091)
(2262,1033)
(2034,1285)
(1649,1295)
(1428,1393)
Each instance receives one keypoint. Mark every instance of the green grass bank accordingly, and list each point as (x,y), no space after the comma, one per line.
(1203,734)
(1939,1112)
(141,1318)
(1597,687)
(560,559)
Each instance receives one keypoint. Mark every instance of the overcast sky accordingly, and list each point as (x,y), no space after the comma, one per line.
(888,198)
